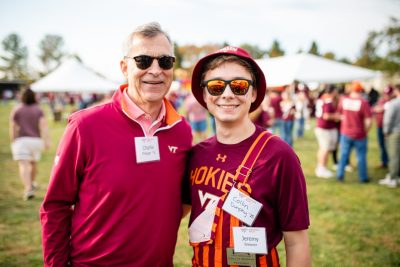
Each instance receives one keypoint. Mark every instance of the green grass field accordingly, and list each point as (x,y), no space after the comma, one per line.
(352,224)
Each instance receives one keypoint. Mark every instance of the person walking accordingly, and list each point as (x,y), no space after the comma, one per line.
(114,196)
(29,135)
(247,187)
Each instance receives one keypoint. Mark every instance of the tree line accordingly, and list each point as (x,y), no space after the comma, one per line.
(380,51)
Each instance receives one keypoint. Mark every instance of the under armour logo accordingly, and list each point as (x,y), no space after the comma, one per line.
(220,157)
(172,149)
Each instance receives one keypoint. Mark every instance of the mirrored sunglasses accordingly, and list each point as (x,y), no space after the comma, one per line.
(217,87)
(144,62)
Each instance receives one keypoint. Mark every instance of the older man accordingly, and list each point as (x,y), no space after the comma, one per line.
(114,197)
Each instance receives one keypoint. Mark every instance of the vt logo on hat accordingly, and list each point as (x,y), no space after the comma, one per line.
(228,48)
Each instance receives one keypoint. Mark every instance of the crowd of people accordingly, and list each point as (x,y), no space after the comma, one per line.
(126,171)
(343,118)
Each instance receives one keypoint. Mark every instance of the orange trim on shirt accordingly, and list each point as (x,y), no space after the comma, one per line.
(263,261)
(171,115)
(218,242)
(274,256)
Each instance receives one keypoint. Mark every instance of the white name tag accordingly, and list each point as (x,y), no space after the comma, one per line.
(147,149)
(242,206)
(250,240)
(351,104)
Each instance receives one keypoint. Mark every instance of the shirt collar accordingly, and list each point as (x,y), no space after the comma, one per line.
(135,112)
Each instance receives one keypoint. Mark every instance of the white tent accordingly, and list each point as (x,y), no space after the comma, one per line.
(73,76)
(309,68)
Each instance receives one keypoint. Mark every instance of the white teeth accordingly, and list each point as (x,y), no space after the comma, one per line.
(228,106)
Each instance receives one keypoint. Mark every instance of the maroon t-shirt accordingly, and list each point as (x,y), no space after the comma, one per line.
(354,111)
(325,106)
(27,118)
(379,115)
(277,181)
(275,102)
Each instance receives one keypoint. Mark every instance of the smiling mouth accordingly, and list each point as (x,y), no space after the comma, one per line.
(149,82)
(228,107)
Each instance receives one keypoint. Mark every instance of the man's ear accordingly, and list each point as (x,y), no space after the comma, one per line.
(124,68)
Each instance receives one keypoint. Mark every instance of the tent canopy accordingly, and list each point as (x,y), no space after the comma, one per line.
(309,68)
(72,76)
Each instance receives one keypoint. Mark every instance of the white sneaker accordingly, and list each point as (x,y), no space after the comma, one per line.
(349,168)
(28,195)
(388,181)
(322,172)
(385,180)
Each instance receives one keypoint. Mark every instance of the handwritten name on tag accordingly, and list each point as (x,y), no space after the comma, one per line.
(241,206)
(146,149)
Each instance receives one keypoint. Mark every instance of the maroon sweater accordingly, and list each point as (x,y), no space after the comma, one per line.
(125,213)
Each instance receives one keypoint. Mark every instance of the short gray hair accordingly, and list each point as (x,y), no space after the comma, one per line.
(147,30)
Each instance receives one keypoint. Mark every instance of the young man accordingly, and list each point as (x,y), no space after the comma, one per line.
(356,121)
(230,84)
(114,197)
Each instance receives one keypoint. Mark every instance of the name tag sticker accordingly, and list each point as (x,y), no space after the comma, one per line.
(242,206)
(146,149)
(250,240)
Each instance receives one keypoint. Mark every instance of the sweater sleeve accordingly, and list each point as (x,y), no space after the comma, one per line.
(57,208)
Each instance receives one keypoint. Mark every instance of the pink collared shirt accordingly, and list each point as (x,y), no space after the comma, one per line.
(141,117)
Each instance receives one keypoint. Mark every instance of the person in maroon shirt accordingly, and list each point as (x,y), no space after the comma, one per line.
(326,130)
(29,136)
(115,191)
(355,123)
(275,103)
(230,84)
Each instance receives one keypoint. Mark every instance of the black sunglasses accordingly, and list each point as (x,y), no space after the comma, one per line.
(217,87)
(144,62)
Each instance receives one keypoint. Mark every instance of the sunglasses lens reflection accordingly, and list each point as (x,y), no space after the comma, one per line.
(239,87)
(217,87)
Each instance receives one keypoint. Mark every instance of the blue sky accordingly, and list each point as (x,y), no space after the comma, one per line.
(95,29)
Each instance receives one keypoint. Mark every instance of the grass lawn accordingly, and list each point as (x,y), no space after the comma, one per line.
(352,224)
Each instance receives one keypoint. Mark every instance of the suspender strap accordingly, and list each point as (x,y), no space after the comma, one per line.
(244,170)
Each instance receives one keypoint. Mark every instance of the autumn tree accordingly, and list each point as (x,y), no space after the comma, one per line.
(254,50)
(381,50)
(329,55)
(14,61)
